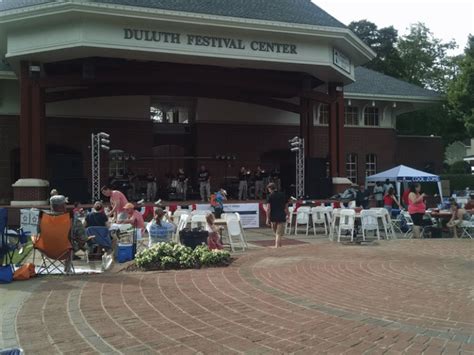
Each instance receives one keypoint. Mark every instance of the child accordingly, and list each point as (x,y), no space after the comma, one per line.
(213,240)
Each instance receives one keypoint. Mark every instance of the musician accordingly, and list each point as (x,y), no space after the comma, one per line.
(259,175)
(244,176)
(182,186)
(150,186)
(204,184)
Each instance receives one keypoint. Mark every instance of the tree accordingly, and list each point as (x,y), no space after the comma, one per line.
(383,42)
(461,89)
(425,58)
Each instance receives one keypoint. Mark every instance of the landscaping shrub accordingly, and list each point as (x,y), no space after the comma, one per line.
(459,181)
(163,256)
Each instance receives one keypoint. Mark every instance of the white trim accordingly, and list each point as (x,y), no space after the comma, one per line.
(8,75)
(31,183)
(28,203)
(398,98)
(358,45)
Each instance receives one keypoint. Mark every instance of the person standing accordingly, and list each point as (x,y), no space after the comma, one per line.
(117,202)
(362,197)
(204,184)
(389,199)
(387,186)
(243,184)
(416,208)
(150,187)
(182,186)
(378,194)
(259,183)
(277,212)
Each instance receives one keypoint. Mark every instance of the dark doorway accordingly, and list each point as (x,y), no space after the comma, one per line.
(65,170)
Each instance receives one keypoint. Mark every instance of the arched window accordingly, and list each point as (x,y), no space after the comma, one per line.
(351,116)
(371,116)
(324,114)
(351,167)
(370,164)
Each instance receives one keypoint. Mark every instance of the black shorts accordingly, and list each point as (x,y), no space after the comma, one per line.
(417,219)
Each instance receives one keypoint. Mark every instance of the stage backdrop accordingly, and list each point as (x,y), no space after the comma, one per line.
(249,212)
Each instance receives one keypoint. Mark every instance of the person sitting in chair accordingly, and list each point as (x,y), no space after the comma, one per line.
(460,215)
(79,237)
(159,230)
(133,217)
(97,217)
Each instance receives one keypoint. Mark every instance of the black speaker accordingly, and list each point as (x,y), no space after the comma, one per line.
(317,185)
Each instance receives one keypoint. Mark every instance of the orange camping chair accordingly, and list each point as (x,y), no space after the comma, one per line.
(53,242)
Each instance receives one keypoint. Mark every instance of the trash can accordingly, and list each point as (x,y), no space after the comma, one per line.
(193,237)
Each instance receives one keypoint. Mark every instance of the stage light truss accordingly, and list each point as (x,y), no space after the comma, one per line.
(99,141)
(297,146)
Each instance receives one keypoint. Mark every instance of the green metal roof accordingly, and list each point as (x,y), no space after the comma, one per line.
(290,11)
(370,82)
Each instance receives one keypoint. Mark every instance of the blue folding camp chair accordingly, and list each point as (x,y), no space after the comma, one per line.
(101,239)
(10,239)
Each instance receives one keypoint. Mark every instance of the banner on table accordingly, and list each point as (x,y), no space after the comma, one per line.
(249,212)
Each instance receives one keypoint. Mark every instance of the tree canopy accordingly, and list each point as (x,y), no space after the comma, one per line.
(422,59)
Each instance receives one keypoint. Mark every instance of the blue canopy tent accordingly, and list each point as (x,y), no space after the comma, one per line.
(404,174)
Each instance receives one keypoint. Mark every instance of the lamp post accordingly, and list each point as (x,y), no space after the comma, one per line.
(99,142)
(297,146)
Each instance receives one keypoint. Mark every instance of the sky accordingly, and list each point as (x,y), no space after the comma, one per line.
(447,19)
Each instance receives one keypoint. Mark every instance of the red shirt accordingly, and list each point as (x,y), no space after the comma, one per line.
(118,199)
(388,200)
(405,197)
(137,220)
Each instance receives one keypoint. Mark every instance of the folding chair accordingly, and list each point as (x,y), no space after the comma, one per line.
(54,243)
(369,222)
(101,240)
(318,217)
(10,239)
(406,220)
(302,218)
(289,222)
(234,230)
(346,222)
(236,216)
(161,234)
(467,228)
(198,220)
(183,222)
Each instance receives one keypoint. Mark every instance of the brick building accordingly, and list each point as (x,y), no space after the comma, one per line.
(184,83)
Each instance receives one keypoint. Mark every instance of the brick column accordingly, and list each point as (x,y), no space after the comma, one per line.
(31,189)
(336,132)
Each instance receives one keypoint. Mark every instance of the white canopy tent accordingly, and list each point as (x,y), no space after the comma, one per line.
(404,174)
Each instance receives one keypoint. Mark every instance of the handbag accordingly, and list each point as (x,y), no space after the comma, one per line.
(6,274)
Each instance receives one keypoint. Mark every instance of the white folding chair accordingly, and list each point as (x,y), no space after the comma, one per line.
(369,222)
(182,223)
(200,212)
(346,223)
(178,213)
(335,215)
(318,217)
(351,204)
(409,222)
(467,228)
(289,222)
(234,231)
(198,220)
(236,216)
(302,218)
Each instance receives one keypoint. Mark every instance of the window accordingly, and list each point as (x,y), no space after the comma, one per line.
(370,164)
(351,116)
(351,167)
(371,116)
(171,110)
(324,114)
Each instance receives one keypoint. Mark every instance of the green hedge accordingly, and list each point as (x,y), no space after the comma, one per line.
(165,256)
(459,181)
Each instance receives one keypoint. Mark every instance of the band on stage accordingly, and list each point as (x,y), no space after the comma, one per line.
(246,184)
